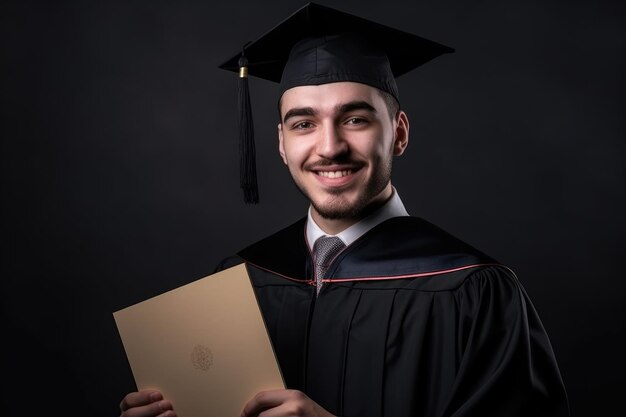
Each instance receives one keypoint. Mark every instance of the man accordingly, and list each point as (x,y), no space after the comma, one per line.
(372,312)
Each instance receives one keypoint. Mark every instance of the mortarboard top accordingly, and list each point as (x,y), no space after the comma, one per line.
(318,45)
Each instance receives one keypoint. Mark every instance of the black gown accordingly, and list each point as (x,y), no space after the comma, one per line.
(410,322)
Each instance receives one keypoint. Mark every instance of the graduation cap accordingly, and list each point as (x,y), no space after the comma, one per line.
(319,45)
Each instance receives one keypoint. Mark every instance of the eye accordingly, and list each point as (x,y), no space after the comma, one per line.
(303,125)
(355,121)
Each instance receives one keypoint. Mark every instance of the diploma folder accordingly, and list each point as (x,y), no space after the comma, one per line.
(203,345)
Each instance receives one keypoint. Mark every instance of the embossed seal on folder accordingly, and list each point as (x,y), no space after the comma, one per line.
(201,357)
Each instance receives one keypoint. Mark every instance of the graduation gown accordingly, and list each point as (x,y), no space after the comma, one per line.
(410,322)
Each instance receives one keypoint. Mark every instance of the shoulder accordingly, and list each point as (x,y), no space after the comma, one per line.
(488,291)
(416,234)
(490,278)
(285,251)
(408,247)
(494,291)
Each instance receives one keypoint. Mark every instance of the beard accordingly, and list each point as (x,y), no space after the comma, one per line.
(337,205)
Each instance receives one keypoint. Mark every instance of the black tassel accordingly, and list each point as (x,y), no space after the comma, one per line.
(247,152)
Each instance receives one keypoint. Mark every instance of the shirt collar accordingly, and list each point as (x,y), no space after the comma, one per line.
(392,208)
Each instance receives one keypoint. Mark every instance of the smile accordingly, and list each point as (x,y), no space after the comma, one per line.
(334,174)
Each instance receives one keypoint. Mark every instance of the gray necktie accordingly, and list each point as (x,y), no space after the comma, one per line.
(324,250)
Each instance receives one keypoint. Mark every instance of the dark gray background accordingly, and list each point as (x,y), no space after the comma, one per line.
(119,171)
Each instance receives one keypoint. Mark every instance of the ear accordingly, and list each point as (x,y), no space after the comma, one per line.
(402,134)
(281,145)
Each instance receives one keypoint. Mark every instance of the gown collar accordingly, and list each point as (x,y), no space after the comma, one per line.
(397,248)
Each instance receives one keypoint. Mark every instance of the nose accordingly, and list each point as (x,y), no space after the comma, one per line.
(331,144)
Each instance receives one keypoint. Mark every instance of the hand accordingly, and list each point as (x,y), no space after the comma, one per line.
(282,402)
(146,403)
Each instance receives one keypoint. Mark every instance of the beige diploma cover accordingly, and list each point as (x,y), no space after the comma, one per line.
(203,345)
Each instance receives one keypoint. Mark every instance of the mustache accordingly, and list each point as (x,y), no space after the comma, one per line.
(321,163)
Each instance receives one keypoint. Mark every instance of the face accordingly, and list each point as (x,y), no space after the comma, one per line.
(338,141)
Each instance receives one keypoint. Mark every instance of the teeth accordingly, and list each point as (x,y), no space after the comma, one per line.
(334,174)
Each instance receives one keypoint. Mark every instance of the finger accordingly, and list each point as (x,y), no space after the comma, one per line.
(147,403)
(138,399)
(263,401)
(156,409)
(294,403)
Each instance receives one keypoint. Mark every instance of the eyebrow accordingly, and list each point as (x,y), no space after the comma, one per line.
(355,105)
(340,109)
(299,111)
